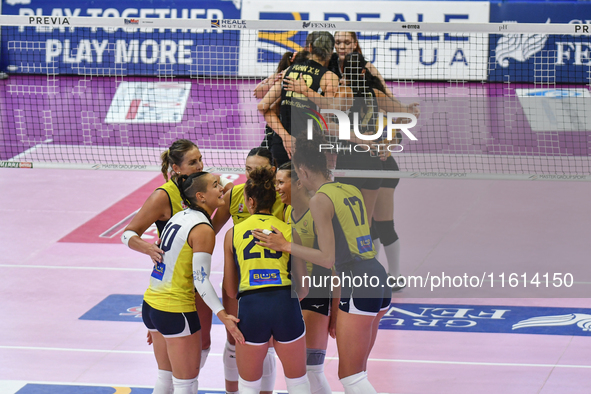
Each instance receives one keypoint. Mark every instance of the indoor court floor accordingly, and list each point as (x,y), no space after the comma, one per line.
(70,291)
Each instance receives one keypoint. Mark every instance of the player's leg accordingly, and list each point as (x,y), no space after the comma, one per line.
(316,343)
(205,318)
(229,358)
(163,383)
(289,335)
(249,358)
(269,370)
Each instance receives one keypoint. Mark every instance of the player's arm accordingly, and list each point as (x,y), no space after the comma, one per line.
(156,207)
(222,214)
(376,73)
(268,107)
(322,211)
(202,240)
(263,87)
(298,271)
(388,104)
(230,272)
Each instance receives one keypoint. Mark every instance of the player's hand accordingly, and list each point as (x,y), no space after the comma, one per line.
(149,338)
(414,109)
(273,240)
(287,145)
(295,85)
(230,323)
(155,252)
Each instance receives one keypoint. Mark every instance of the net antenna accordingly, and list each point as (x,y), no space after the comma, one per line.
(497,100)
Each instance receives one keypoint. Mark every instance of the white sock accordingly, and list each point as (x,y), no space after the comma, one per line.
(299,385)
(204,354)
(230,367)
(185,386)
(246,387)
(393,256)
(163,382)
(269,368)
(357,384)
(318,382)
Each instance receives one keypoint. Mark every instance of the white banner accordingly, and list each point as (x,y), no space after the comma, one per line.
(408,55)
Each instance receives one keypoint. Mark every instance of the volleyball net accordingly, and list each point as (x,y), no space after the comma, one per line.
(113,93)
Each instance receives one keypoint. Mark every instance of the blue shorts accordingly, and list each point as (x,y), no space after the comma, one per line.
(318,305)
(365,300)
(170,324)
(270,312)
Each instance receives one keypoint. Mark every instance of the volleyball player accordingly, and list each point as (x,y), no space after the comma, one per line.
(263,87)
(235,207)
(182,158)
(169,309)
(303,87)
(261,279)
(343,240)
(346,42)
(318,308)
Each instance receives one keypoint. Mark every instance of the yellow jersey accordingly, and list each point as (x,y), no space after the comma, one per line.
(351,227)
(176,202)
(238,208)
(304,226)
(171,283)
(260,267)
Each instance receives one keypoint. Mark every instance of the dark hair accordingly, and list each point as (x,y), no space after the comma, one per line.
(175,155)
(262,152)
(322,43)
(307,153)
(353,67)
(287,166)
(290,58)
(189,186)
(261,188)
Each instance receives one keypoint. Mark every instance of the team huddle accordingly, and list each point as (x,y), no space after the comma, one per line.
(291,221)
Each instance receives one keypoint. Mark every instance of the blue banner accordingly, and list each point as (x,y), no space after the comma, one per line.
(540,58)
(486,318)
(121,51)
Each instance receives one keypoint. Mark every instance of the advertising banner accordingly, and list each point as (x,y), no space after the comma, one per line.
(120,51)
(396,55)
(540,58)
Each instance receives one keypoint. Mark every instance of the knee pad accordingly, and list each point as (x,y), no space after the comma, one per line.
(386,231)
(185,386)
(269,374)
(358,384)
(299,385)
(246,387)
(163,383)
(230,367)
(204,354)
(318,382)
(373,230)
(315,356)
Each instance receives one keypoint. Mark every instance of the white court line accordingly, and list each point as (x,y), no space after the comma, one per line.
(479,363)
(83,268)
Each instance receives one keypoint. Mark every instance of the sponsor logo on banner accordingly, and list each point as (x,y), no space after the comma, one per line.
(131,21)
(316,25)
(555,109)
(149,102)
(15,164)
(228,23)
(48,20)
(490,319)
(410,54)
(519,47)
